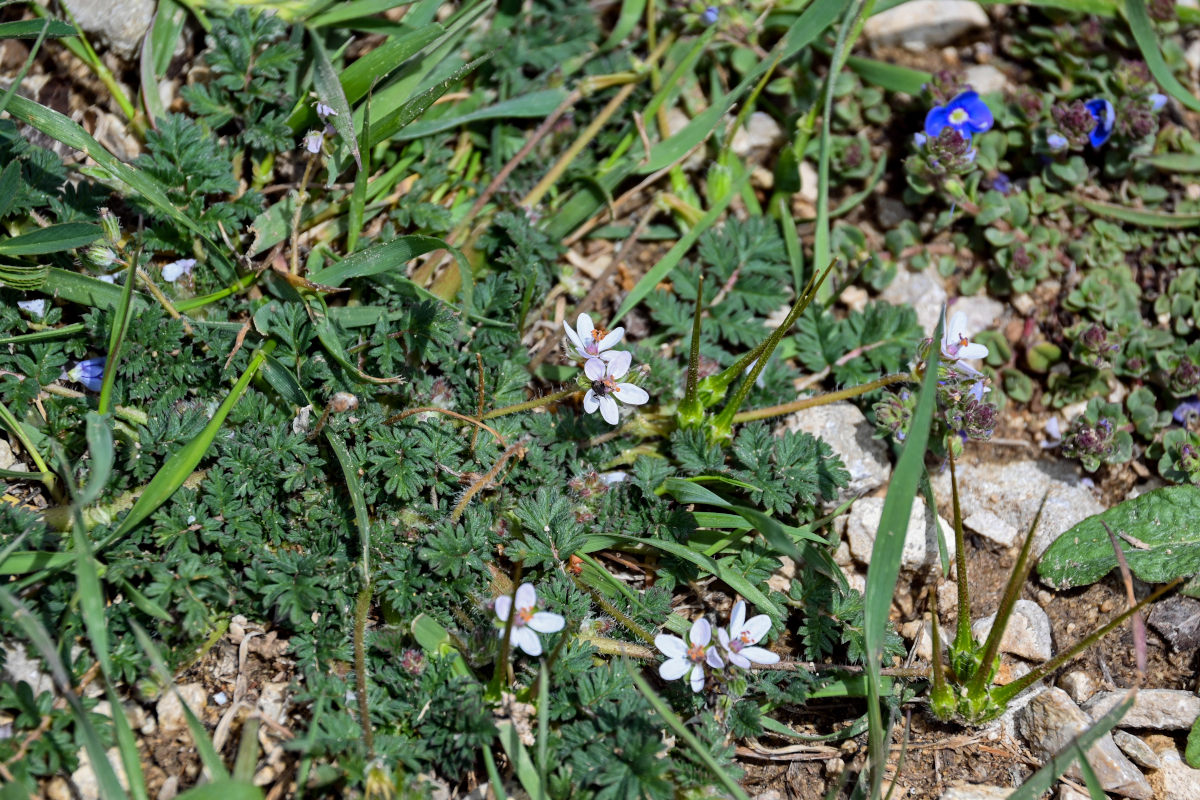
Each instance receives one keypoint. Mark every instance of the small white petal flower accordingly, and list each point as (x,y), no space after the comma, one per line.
(587,341)
(324,110)
(313,141)
(957,346)
(606,390)
(35,308)
(177,269)
(742,633)
(688,658)
(527,623)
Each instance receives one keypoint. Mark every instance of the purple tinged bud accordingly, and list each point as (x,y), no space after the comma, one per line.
(711,15)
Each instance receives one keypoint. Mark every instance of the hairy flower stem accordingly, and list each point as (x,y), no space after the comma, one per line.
(821,399)
(301,199)
(611,610)
(536,402)
(360,666)
(517,449)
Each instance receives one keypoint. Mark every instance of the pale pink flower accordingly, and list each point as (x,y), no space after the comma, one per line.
(606,390)
(742,633)
(688,658)
(586,341)
(527,620)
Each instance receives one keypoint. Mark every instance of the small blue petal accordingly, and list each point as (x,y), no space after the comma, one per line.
(711,15)
(89,372)
(1188,408)
(1157,101)
(1106,119)
(979,116)
(919,140)
(1002,183)
(937,120)
(1056,142)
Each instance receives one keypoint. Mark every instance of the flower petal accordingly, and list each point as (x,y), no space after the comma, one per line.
(759,655)
(546,622)
(1106,119)
(503,606)
(979,116)
(757,627)
(590,402)
(594,368)
(526,596)
(671,646)
(737,617)
(527,640)
(612,340)
(697,678)
(739,660)
(673,668)
(713,657)
(573,336)
(608,409)
(701,632)
(585,327)
(974,350)
(956,329)
(620,364)
(723,637)
(936,120)
(633,395)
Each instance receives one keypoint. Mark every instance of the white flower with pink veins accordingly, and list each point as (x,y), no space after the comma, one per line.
(742,634)
(586,341)
(606,390)
(527,622)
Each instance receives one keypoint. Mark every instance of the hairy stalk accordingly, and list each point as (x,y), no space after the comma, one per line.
(610,609)
(448,413)
(517,449)
(821,399)
(536,402)
(301,199)
(691,411)
(479,406)
(360,666)
(962,636)
(164,301)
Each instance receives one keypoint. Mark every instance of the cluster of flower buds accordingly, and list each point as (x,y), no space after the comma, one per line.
(735,646)
(603,368)
(315,139)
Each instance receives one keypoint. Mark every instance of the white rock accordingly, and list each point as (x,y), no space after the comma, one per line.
(1156,709)
(864,523)
(1175,780)
(992,527)
(119,23)
(1051,720)
(921,290)
(924,24)
(272,702)
(85,780)
(1067,793)
(761,131)
(170,711)
(918,631)
(1024,304)
(808,183)
(985,78)
(1079,685)
(1138,751)
(1014,490)
(849,433)
(20,666)
(1027,633)
(7,459)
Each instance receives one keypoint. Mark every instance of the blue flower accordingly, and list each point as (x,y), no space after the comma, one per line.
(711,15)
(1002,183)
(89,372)
(1157,101)
(966,114)
(1106,119)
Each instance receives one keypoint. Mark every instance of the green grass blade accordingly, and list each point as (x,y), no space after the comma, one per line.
(532,105)
(91,596)
(1044,779)
(204,746)
(356,214)
(51,239)
(395,121)
(116,337)
(357,9)
(32,28)
(20,562)
(1139,216)
(377,259)
(889,76)
(543,716)
(627,20)
(223,790)
(683,732)
(329,89)
(518,756)
(88,291)
(884,566)
(1147,42)
(100,447)
(1168,162)
(127,745)
(110,787)
(180,465)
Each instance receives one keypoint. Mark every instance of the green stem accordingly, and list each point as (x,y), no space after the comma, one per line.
(234,288)
(821,399)
(10,422)
(962,636)
(360,666)
(536,402)
(690,410)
